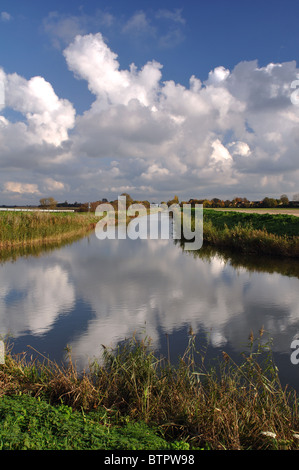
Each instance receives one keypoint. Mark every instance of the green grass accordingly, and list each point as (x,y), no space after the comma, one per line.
(27,423)
(263,234)
(25,228)
(133,399)
(276,224)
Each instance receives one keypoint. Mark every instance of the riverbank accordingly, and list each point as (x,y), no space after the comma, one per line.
(132,399)
(40,228)
(270,234)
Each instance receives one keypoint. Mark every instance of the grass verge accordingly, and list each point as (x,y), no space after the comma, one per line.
(270,234)
(133,399)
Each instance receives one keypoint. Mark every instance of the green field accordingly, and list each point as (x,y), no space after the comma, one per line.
(277,224)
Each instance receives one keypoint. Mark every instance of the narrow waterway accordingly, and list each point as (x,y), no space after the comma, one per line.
(95,292)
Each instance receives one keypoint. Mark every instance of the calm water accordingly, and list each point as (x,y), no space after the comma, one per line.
(94,292)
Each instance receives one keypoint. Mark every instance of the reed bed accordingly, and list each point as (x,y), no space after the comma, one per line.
(252,233)
(26,228)
(250,240)
(227,405)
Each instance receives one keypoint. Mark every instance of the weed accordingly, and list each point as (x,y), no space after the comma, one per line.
(228,405)
(27,228)
(273,234)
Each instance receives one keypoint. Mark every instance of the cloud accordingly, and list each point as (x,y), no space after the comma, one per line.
(165,130)
(91,59)
(53,185)
(235,133)
(163,27)
(240,148)
(62,28)
(47,118)
(38,139)
(138,23)
(38,308)
(5,16)
(173,22)
(20,188)
(175,16)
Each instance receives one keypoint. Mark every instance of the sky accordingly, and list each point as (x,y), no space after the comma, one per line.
(198,99)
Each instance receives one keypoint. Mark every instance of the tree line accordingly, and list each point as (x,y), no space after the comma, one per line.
(267,202)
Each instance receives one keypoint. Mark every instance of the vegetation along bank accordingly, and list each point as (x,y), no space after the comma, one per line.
(37,227)
(270,234)
(132,399)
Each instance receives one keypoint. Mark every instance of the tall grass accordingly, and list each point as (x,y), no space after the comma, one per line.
(227,405)
(25,228)
(252,233)
(250,240)
(277,224)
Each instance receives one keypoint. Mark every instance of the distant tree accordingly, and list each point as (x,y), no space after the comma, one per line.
(48,203)
(284,199)
(240,202)
(216,202)
(296,197)
(269,202)
(129,199)
(175,200)
(207,203)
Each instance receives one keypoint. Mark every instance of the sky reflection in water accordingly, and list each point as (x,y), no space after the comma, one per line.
(96,292)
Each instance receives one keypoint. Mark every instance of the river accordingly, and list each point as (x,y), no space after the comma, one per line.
(95,292)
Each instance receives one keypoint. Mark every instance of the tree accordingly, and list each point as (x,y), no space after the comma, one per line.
(129,199)
(216,202)
(284,199)
(48,203)
(175,200)
(207,203)
(296,197)
(269,202)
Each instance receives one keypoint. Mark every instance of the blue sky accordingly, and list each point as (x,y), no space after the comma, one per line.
(230,131)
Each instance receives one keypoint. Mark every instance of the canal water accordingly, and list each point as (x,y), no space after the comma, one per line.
(93,292)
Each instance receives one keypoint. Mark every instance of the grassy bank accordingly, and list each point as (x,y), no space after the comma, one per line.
(275,234)
(31,424)
(132,399)
(29,228)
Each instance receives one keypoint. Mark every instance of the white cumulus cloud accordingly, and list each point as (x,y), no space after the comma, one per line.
(235,133)
(20,188)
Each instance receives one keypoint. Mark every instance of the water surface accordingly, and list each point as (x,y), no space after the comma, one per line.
(92,293)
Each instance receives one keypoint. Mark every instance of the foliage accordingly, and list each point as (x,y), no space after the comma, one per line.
(21,228)
(48,202)
(277,224)
(29,423)
(132,399)
(243,202)
(274,234)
